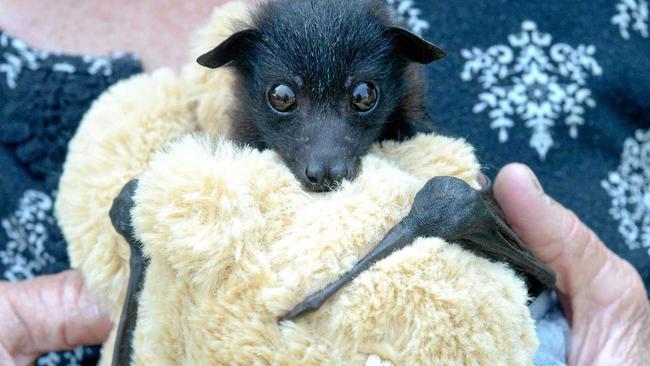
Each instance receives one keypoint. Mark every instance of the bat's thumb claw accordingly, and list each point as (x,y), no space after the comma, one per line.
(484,182)
(301,309)
(291,315)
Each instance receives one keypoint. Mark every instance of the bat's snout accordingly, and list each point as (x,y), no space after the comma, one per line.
(324,176)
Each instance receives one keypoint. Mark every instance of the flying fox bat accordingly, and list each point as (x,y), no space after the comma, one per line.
(319,82)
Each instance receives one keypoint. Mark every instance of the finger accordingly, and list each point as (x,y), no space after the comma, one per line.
(51,313)
(558,238)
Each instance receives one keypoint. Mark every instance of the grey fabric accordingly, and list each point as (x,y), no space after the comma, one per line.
(552,330)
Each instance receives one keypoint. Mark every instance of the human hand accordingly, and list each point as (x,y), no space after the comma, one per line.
(601,294)
(50,313)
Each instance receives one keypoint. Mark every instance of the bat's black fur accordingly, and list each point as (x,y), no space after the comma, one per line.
(322,50)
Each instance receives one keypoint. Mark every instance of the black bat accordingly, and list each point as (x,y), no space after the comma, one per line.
(319,82)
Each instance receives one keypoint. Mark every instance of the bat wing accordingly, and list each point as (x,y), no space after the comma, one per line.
(499,242)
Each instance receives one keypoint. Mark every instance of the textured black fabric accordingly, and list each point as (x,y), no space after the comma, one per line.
(536,66)
(43,97)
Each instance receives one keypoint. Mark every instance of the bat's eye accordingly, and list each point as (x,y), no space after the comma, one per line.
(364,97)
(282,98)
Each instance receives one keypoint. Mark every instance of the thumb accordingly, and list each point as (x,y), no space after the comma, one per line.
(50,313)
(587,271)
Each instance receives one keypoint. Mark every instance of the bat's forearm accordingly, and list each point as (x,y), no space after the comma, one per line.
(398,237)
(123,351)
(120,214)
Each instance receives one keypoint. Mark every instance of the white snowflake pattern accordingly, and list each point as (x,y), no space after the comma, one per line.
(68,358)
(103,65)
(533,80)
(25,254)
(411,15)
(17,56)
(629,189)
(632,13)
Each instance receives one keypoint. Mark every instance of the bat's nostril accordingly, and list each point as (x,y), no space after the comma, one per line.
(338,172)
(324,177)
(315,173)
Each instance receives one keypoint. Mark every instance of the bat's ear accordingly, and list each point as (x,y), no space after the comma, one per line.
(412,47)
(230,49)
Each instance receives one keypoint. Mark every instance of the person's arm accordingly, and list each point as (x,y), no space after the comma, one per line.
(602,294)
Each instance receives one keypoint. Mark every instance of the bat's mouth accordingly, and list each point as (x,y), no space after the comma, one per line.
(325,187)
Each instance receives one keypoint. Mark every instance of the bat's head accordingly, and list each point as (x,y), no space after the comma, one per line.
(320,81)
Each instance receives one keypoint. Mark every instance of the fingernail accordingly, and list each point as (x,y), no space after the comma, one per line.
(535,181)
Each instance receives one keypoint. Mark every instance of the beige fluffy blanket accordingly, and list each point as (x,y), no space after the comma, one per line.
(235,242)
